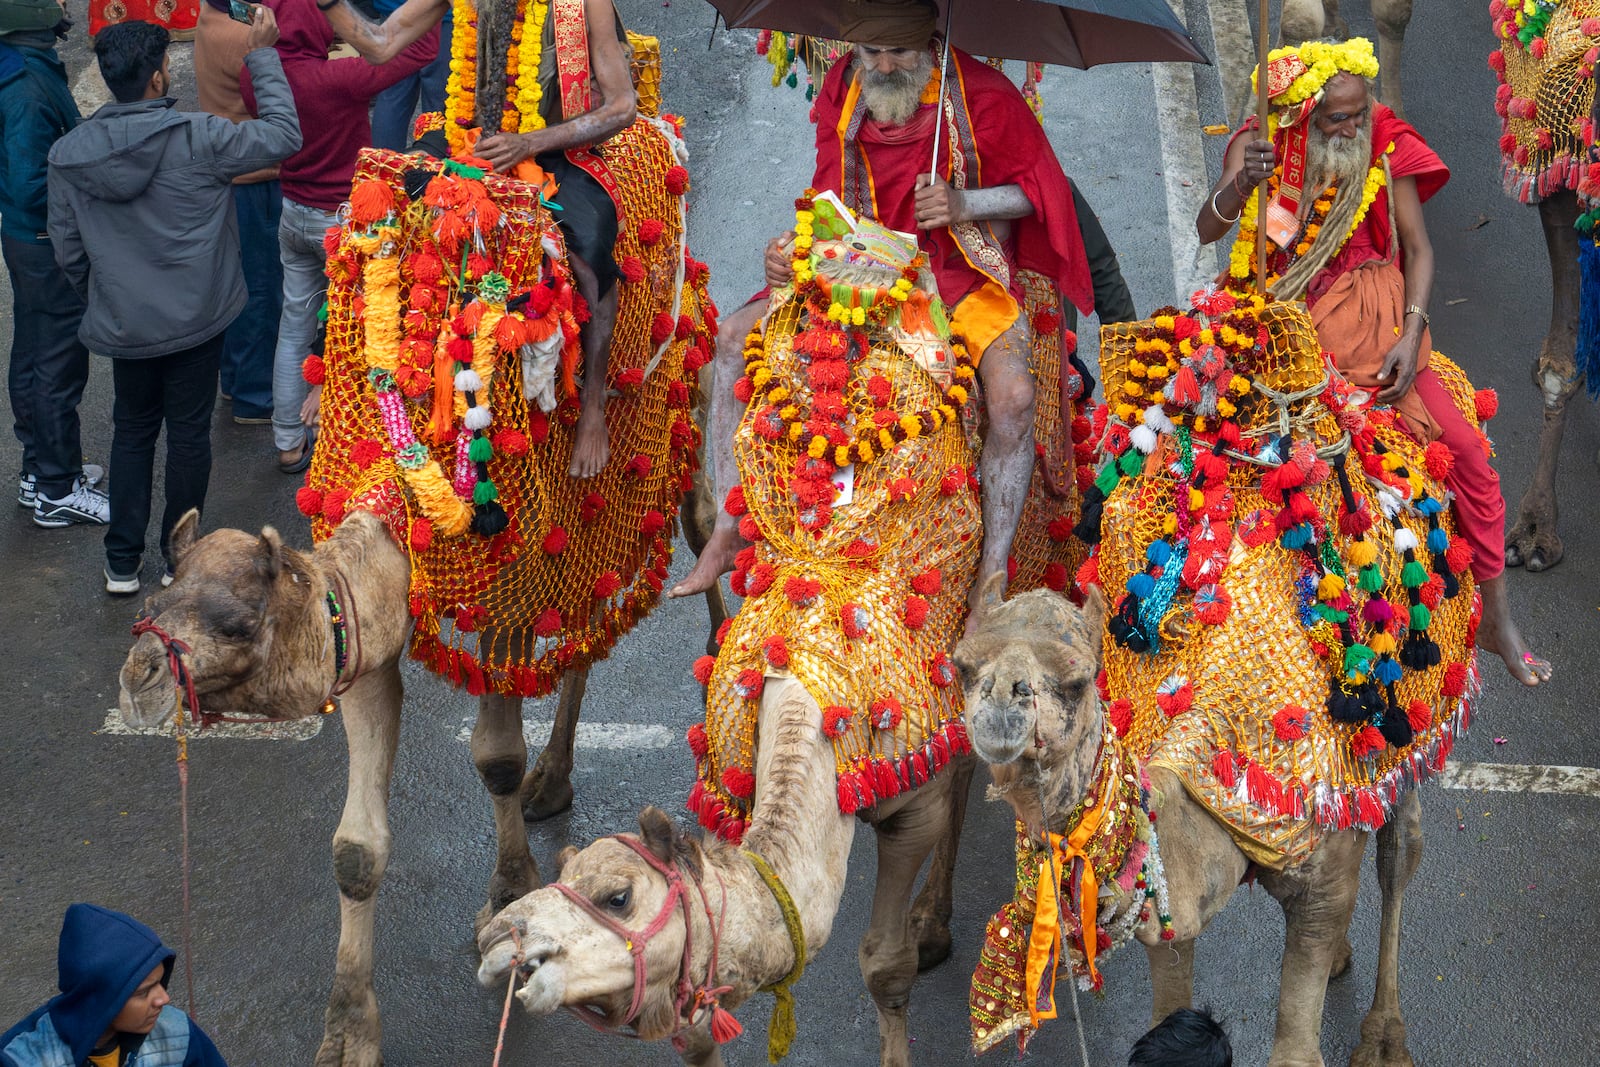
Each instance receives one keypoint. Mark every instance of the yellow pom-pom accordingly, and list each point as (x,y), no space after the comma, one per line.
(1197,499)
(1361,553)
(1330,587)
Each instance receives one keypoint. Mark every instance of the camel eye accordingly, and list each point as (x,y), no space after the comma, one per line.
(1072,691)
(619,900)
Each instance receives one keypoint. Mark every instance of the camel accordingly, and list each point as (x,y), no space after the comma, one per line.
(1307,20)
(737,939)
(1034,716)
(254,616)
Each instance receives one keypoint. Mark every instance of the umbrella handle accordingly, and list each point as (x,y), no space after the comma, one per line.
(944,87)
(1263,110)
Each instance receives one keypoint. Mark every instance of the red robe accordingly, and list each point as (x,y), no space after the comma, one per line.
(1011,149)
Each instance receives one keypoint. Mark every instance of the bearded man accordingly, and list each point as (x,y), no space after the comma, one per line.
(1002,205)
(1345,180)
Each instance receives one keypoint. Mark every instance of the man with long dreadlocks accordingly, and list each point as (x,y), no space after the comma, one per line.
(1345,180)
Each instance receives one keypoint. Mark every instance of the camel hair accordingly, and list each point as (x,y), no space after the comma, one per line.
(253,614)
(570,959)
(1035,717)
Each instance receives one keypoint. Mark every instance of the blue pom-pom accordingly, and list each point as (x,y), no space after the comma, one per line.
(1141,585)
(1387,671)
(1158,553)
(1296,537)
(1438,540)
(1429,506)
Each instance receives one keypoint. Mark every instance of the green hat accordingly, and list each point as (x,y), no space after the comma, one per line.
(29,15)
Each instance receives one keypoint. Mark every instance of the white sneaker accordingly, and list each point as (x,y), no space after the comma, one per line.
(82,505)
(93,474)
(121,584)
(27,491)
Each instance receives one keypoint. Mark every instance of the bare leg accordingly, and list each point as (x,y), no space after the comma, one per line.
(1498,633)
(716,559)
(547,790)
(591,446)
(1383,1032)
(1007,463)
(352,1032)
(500,754)
(1533,541)
(1392,16)
(931,912)
(699,518)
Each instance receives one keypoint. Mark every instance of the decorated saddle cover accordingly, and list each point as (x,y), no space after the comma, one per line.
(1291,621)
(450,397)
(1545,64)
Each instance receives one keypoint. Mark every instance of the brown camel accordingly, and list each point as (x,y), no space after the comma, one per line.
(571,960)
(255,617)
(1034,716)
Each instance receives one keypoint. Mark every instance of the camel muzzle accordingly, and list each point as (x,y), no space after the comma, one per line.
(147,695)
(1000,735)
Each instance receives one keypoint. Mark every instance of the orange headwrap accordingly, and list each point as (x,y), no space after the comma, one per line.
(889,23)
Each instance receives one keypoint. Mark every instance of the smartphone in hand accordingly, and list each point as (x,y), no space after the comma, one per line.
(240,11)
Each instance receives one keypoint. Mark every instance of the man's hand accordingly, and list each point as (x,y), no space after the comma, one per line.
(938,205)
(263,31)
(1400,365)
(505,150)
(311,409)
(780,260)
(1259,162)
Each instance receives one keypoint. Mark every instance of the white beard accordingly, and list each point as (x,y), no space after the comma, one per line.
(894,98)
(1341,159)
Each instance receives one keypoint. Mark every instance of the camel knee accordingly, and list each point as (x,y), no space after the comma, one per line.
(358,868)
(889,968)
(1392,17)
(501,774)
(1302,20)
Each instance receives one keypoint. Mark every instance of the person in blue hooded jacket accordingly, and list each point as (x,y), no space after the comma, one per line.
(113,1009)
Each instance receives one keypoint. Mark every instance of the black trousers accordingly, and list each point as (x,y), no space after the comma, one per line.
(179,390)
(49,365)
(588,217)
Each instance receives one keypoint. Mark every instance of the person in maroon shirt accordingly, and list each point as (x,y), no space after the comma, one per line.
(334,97)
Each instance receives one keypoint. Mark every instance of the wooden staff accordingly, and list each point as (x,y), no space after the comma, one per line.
(1262,50)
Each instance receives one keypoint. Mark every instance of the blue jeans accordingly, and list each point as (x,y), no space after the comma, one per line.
(249,343)
(394,108)
(300,231)
(49,365)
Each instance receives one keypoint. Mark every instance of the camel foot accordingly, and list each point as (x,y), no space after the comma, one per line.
(933,941)
(546,790)
(1342,955)
(591,447)
(715,560)
(351,1035)
(1533,543)
(1383,1044)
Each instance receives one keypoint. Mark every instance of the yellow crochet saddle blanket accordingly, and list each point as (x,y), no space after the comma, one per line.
(1545,64)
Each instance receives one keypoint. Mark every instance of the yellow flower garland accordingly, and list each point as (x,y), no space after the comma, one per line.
(461,87)
(1324,60)
(531,49)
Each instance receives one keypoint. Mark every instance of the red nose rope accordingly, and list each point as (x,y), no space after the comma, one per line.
(690,1001)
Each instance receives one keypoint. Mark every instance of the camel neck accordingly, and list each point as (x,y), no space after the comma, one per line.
(370,576)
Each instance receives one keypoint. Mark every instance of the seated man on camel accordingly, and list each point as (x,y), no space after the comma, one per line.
(875,129)
(1346,180)
(585,100)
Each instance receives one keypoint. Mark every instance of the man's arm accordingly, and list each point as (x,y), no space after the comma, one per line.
(1401,362)
(379,42)
(1246,165)
(612,80)
(939,204)
(67,239)
(270,138)
(30,131)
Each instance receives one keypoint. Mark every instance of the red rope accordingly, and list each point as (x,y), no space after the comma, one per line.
(505,1012)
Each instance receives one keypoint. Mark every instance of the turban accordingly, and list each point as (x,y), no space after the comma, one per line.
(1297,75)
(888,23)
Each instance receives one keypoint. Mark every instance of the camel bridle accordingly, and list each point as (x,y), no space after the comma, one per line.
(690,1001)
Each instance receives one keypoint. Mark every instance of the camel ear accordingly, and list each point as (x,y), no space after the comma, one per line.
(184,535)
(658,833)
(563,858)
(1094,611)
(271,553)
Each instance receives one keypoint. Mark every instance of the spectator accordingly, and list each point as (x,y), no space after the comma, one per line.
(395,107)
(139,198)
(247,347)
(49,365)
(334,96)
(1186,1038)
(113,1008)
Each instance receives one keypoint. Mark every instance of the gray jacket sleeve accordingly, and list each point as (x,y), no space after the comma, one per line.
(242,147)
(66,238)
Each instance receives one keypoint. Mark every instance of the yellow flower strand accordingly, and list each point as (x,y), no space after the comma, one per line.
(1242,256)
(461,87)
(1323,61)
(529,93)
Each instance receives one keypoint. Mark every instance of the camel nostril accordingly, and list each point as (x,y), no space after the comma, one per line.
(1021,689)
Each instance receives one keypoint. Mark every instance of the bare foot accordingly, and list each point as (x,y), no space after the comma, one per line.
(715,560)
(1498,633)
(590,445)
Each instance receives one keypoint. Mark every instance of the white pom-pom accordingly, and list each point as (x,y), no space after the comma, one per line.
(477,418)
(1144,439)
(1155,417)
(1390,501)
(1404,540)
(467,381)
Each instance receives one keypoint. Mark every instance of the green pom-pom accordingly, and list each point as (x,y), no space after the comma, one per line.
(1132,462)
(1107,479)
(484,492)
(792,80)
(480,451)
(1414,575)
(1420,616)
(1357,659)
(1370,578)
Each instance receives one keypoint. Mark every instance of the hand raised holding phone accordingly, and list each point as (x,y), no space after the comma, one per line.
(263,26)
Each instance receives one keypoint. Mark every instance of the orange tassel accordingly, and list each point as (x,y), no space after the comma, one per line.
(724,1027)
(371,201)
(441,417)
(914,314)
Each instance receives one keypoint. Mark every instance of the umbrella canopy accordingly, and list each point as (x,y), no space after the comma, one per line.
(1069,33)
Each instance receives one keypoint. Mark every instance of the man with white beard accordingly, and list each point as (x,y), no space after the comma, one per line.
(1345,180)
(1001,204)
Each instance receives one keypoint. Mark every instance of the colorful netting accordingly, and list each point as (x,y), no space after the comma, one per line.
(1545,63)
(576,563)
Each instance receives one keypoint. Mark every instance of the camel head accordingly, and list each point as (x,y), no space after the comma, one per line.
(247,607)
(571,958)
(1028,670)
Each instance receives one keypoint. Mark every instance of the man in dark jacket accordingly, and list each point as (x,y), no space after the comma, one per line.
(113,1008)
(49,365)
(142,220)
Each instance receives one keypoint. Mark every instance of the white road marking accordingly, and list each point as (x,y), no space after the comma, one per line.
(292,730)
(610,736)
(1183,170)
(1521,778)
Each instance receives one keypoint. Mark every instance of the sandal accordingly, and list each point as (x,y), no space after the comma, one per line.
(297,465)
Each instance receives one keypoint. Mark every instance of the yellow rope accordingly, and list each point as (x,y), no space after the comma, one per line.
(782,1028)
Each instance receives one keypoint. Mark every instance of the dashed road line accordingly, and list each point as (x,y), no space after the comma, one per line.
(609,736)
(1521,778)
(288,730)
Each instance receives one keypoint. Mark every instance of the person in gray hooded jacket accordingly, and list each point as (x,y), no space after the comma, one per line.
(141,217)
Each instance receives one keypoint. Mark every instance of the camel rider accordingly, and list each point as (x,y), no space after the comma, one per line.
(587,98)
(1332,238)
(875,127)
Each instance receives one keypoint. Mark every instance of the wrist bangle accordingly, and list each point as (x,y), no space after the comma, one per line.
(1218,211)
(1413,309)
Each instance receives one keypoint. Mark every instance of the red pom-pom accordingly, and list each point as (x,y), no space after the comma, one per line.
(365,452)
(1419,715)
(1367,741)
(1487,404)
(1055,577)
(743,390)
(697,741)
(758,579)
(776,649)
(1088,572)
(630,379)
(1060,528)
(555,541)
(314,370)
(886,713)
(1432,592)
(929,582)
(703,668)
(1120,714)
(652,522)
(1290,722)
(1455,680)
(1438,458)
(953,481)
(749,683)
(801,591)
(1178,698)
(1458,557)
(683,329)
(308,500)
(420,535)
(941,671)
(606,586)
(835,721)
(677,181)
(548,624)
(333,505)
(739,782)
(650,231)
(1497,61)
(661,328)
(722,632)
(694,357)
(916,612)
(1102,685)
(735,503)
(632,269)
(853,619)
(639,466)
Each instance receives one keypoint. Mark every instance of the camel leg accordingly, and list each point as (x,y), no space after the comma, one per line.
(931,912)
(1300,21)
(547,790)
(352,1034)
(1392,17)
(1317,903)
(888,956)
(1383,1032)
(699,518)
(698,1050)
(1533,541)
(501,754)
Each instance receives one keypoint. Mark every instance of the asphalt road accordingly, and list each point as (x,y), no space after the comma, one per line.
(1498,966)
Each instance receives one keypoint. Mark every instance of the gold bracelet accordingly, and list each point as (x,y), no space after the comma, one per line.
(1413,309)
(1218,213)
